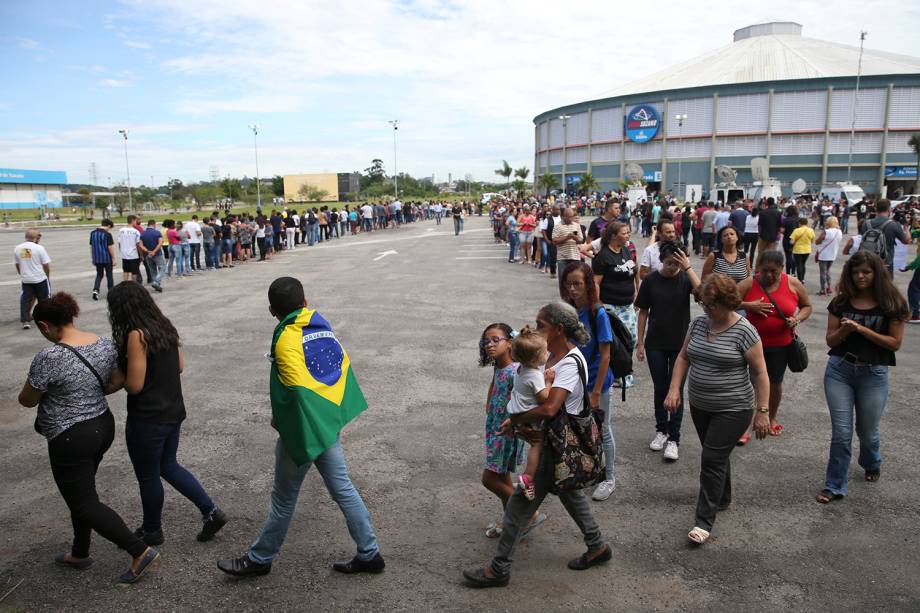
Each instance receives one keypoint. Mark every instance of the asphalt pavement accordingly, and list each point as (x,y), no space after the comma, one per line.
(409,306)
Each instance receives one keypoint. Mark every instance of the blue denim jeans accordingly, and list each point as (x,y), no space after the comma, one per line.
(187,257)
(661,367)
(209,259)
(152,449)
(157,266)
(860,391)
(544,255)
(175,259)
(286,488)
(513,243)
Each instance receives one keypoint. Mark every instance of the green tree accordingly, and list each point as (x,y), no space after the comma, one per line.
(278,185)
(914,143)
(548,182)
(374,173)
(587,184)
(505,171)
(521,183)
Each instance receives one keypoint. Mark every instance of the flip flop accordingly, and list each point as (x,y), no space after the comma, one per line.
(698,535)
(827,496)
(776,430)
(541,517)
(873,476)
(744,440)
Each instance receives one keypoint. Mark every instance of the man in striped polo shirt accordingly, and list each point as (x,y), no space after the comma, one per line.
(103,247)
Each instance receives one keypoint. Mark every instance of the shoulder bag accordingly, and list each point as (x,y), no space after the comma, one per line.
(576,445)
(797,352)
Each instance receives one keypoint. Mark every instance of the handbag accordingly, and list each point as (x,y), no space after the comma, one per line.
(797,352)
(576,445)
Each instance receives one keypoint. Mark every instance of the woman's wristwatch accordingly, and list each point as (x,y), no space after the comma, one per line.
(763,409)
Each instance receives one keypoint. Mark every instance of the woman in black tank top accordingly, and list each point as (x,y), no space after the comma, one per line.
(150,357)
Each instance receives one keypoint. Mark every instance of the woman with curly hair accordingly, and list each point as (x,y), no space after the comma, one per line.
(722,354)
(865,326)
(69,381)
(150,357)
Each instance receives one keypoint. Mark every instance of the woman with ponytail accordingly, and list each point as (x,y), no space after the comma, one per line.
(69,381)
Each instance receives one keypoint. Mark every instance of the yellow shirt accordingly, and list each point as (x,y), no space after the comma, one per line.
(801,239)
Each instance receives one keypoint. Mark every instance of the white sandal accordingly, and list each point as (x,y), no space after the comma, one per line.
(698,535)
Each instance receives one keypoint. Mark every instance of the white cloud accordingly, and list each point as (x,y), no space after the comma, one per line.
(28,43)
(116,82)
(137,44)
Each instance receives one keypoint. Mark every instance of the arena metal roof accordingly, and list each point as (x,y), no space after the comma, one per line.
(774,51)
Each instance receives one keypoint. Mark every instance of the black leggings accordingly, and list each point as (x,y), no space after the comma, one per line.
(800,260)
(75,456)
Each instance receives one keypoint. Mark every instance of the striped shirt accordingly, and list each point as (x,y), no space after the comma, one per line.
(99,241)
(719,378)
(737,271)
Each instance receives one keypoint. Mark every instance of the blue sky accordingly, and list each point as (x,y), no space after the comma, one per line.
(321,79)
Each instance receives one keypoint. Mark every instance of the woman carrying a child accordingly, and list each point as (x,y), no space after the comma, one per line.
(558,323)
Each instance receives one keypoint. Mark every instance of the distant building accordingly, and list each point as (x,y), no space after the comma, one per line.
(336,185)
(31,189)
(771,93)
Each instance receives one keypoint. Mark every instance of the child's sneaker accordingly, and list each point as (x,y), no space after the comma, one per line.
(527,487)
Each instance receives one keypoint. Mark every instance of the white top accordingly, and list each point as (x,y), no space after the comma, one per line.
(128,238)
(31,257)
(367,211)
(651,257)
(544,223)
(528,382)
(567,378)
(193,228)
(827,250)
(750,224)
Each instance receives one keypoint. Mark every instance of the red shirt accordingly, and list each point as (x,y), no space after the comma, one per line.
(173,237)
(772,329)
(698,217)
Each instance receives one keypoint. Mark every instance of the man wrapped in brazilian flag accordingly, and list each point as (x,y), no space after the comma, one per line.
(314,394)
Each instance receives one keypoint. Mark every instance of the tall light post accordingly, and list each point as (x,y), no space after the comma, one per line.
(124,133)
(862,39)
(395,124)
(565,137)
(681,117)
(255,145)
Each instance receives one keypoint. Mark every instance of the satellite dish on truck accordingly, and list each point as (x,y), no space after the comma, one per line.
(633,172)
(726,174)
(799,186)
(760,169)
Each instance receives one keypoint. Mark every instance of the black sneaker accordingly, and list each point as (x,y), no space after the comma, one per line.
(375,565)
(151,538)
(212,525)
(243,567)
(95,294)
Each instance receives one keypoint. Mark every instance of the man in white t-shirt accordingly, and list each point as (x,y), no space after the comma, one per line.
(194,242)
(130,247)
(367,217)
(33,266)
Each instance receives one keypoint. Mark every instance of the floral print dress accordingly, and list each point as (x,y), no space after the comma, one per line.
(503,452)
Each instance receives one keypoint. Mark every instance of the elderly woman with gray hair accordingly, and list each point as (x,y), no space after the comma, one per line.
(560,324)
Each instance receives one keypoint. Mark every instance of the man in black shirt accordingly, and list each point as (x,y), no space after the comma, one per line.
(768,227)
(611,212)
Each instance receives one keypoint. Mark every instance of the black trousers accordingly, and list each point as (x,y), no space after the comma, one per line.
(106,269)
(32,292)
(260,241)
(75,455)
(719,433)
(800,260)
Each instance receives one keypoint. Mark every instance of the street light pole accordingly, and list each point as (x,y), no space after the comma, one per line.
(255,144)
(680,135)
(565,138)
(862,39)
(395,124)
(124,133)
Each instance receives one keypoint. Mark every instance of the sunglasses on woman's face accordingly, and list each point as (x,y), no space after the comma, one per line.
(492,340)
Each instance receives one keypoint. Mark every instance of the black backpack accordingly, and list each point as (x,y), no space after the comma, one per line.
(874,240)
(621,348)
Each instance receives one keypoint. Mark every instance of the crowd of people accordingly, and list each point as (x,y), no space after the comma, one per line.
(613,304)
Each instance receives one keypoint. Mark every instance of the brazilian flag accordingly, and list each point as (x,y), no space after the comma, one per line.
(314,391)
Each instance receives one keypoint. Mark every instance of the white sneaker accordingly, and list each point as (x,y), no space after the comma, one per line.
(658,442)
(603,490)
(670,452)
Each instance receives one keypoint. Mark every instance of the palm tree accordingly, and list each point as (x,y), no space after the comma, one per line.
(587,183)
(505,171)
(521,173)
(914,143)
(548,182)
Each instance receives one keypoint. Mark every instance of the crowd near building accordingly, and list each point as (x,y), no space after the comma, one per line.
(772,93)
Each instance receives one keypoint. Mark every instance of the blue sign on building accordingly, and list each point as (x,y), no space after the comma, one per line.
(35,177)
(642,123)
(901,172)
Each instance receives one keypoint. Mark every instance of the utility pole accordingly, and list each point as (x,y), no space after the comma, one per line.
(862,39)
(127,168)
(255,144)
(395,124)
(680,132)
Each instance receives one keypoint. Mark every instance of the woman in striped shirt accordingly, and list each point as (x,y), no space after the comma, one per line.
(720,348)
(729,260)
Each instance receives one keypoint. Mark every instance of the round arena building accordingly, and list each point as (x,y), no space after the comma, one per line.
(770,94)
